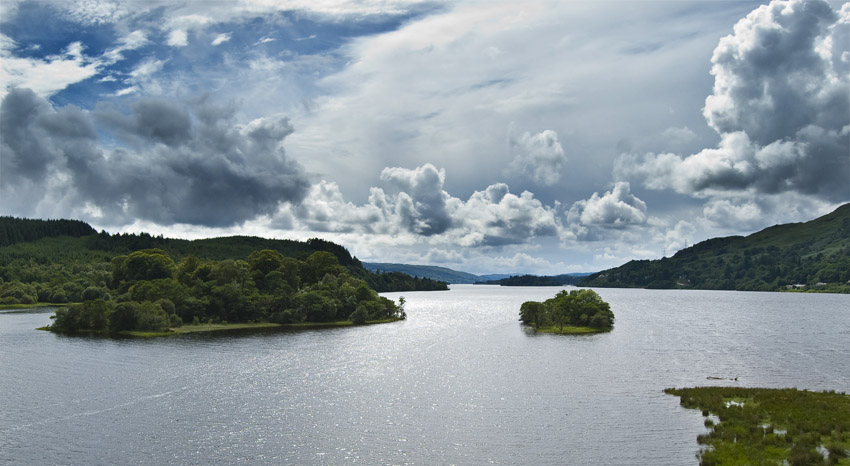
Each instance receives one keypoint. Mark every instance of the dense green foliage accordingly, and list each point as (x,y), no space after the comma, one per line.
(147,291)
(56,261)
(759,426)
(575,308)
(537,280)
(20,230)
(812,256)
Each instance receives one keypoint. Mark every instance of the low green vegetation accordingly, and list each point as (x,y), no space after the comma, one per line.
(812,256)
(148,292)
(569,312)
(759,426)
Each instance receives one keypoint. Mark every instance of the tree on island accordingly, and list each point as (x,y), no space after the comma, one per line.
(149,292)
(576,308)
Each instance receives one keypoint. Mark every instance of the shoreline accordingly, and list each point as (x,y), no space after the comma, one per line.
(569,330)
(225,327)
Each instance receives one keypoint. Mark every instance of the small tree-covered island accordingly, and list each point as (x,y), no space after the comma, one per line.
(569,313)
(150,294)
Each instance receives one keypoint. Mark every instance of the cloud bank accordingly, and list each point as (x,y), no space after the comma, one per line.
(169,163)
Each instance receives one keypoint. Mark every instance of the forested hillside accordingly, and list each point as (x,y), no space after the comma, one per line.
(812,256)
(55,261)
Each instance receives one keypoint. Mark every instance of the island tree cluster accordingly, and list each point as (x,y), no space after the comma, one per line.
(574,308)
(148,291)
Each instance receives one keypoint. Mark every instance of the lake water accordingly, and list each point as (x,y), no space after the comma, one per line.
(459,382)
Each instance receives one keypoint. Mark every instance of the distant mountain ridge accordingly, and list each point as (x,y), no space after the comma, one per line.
(451,276)
(442,274)
(813,255)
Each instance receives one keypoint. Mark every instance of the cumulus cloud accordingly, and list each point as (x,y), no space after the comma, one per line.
(421,205)
(538,156)
(496,217)
(779,105)
(613,210)
(173,164)
(417,206)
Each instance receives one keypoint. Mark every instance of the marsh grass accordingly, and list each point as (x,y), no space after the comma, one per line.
(571,330)
(759,426)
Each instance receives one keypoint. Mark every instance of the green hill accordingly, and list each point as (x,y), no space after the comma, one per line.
(814,255)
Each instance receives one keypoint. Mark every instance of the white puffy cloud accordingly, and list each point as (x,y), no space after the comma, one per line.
(496,216)
(220,39)
(417,206)
(780,106)
(613,209)
(538,156)
(421,205)
(49,75)
(44,76)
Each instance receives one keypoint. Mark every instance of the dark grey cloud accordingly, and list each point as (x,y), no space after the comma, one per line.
(34,137)
(171,163)
(780,105)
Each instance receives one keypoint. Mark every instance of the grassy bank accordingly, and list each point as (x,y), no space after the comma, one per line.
(224,327)
(570,330)
(758,426)
(13,307)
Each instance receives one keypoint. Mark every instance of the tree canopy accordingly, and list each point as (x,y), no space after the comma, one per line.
(575,308)
(149,292)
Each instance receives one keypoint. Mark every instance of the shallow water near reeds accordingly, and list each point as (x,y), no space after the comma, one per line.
(459,382)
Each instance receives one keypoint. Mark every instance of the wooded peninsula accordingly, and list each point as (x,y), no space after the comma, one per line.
(140,283)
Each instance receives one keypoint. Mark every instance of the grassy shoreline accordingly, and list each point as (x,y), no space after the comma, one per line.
(570,330)
(226,327)
(15,307)
(770,426)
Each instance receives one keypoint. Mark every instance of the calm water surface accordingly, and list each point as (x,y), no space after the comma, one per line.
(459,382)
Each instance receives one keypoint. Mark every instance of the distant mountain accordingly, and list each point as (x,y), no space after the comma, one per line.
(442,274)
(455,277)
(813,255)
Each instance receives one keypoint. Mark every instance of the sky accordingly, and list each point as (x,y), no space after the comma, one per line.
(541,137)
